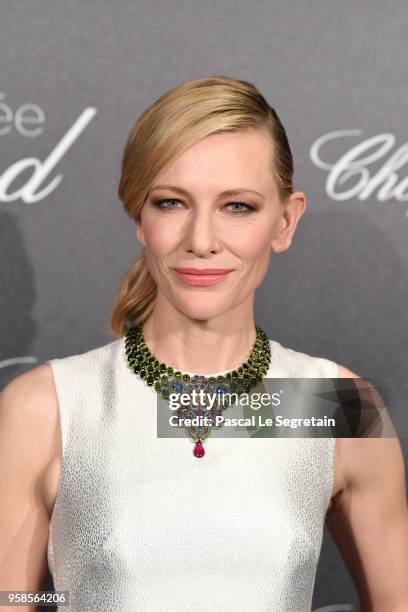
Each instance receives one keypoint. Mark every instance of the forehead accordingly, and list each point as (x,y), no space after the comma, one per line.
(221,161)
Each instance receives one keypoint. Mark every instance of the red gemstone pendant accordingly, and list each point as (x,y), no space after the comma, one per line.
(199,449)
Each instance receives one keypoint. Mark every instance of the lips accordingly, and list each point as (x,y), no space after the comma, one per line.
(202,271)
(202,277)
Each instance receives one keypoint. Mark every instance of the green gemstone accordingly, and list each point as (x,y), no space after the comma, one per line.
(142,362)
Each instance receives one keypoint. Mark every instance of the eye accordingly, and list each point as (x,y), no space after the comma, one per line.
(160,204)
(248,208)
(240,208)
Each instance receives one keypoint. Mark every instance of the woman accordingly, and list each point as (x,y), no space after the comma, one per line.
(133,521)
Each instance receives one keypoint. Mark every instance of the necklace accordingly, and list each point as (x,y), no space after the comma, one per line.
(165,380)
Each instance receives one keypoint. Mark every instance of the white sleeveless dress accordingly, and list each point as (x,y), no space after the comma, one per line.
(141,524)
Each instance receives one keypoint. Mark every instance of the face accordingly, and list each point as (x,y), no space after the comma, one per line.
(188,221)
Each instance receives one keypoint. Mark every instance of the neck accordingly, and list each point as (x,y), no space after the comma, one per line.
(198,346)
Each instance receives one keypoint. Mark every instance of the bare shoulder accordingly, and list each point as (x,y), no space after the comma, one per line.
(346,373)
(361,460)
(29,399)
(29,421)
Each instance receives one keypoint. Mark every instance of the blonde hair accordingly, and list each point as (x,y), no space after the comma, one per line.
(174,122)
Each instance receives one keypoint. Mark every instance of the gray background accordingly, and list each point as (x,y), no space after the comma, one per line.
(339,292)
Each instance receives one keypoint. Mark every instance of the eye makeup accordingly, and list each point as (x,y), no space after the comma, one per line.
(160,205)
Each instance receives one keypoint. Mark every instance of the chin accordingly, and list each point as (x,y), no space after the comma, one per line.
(202,309)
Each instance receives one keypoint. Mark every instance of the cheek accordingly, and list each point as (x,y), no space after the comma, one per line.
(159,237)
(250,243)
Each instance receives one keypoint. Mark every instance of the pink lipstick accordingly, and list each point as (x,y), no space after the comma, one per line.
(202,277)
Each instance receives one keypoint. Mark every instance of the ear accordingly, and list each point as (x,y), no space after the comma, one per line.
(139,233)
(292,210)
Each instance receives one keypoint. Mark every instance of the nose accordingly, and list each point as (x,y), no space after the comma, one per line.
(201,236)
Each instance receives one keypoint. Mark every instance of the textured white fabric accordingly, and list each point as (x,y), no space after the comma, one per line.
(140,524)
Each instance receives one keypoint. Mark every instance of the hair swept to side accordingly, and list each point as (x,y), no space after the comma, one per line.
(175,121)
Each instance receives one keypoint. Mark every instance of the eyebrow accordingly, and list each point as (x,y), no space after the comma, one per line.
(226,192)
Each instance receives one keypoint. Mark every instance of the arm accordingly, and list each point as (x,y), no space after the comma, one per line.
(369,519)
(27,447)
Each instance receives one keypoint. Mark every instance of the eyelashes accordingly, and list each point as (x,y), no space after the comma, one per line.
(248,208)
